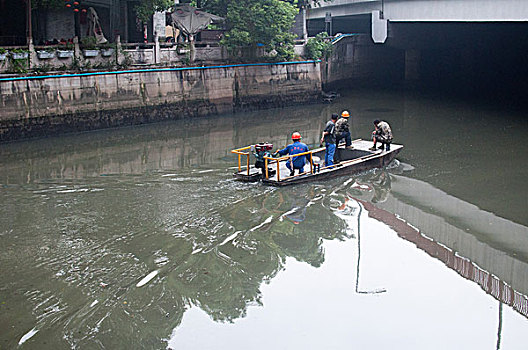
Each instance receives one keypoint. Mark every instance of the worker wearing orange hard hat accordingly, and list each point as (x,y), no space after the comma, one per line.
(295,148)
(343,129)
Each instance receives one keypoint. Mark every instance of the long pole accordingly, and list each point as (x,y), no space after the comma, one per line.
(29,31)
(499,332)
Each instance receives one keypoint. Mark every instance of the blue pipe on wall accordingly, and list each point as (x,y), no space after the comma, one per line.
(153,70)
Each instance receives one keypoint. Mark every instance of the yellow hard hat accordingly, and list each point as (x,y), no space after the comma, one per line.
(345,114)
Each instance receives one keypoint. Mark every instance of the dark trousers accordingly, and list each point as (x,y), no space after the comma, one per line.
(344,135)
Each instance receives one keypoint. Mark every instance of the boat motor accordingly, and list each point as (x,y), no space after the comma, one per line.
(263,146)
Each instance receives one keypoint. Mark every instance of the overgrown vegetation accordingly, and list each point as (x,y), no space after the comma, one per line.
(250,24)
(319,47)
(219,7)
(89,43)
(43,68)
(262,24)
(18,65)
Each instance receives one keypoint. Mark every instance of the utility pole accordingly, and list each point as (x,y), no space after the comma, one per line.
(29,30)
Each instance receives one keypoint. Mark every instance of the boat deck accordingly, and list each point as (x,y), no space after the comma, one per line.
(351,160)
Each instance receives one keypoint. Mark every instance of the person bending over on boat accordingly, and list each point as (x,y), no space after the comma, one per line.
(261,150)
(381,134)
(343,129)
(329,139)
(295,148)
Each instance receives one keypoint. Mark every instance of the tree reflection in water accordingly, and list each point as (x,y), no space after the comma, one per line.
(220,262)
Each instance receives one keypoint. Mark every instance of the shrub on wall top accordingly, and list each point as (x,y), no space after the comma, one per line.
(319,47)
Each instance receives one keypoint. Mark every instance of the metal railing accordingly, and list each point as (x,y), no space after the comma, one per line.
(314,168)
(240,153)
(243,152)
(290,159)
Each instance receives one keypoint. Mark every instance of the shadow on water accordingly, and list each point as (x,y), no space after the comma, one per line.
(109,238)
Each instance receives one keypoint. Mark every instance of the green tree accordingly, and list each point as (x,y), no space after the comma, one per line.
(265,23)
(319,47)
(146,8)
(306,3)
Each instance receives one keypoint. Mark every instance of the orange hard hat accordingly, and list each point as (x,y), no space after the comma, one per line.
(296,136)
(345,114)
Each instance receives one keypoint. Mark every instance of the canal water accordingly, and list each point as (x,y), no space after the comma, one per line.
(139,238)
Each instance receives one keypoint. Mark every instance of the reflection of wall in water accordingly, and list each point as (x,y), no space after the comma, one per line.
(493,245)
(464,267)
(164,146)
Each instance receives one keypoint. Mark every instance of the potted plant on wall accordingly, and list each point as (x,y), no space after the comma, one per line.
(107,50)
(19,54)
(18,61)
(89,46)
(46,54)
(3,54)
(65,50)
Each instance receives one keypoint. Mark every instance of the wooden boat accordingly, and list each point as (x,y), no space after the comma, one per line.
(353,160)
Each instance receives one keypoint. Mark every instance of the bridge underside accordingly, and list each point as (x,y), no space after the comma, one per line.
(487,59)
(345,24)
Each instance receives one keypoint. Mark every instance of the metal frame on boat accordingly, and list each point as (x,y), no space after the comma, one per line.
(352,160)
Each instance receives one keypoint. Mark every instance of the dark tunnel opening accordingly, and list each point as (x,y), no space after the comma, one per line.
(485,60)
(475,60)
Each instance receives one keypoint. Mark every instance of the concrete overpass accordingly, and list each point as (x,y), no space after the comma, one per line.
(468,46)
(380,12)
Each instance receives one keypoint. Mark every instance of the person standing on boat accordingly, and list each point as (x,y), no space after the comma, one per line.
(295,148)
(343,129)
(381,134)
(329,139)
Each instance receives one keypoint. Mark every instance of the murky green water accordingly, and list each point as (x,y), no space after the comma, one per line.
(139,238)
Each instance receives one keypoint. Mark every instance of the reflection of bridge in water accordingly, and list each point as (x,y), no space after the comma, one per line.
(486,249)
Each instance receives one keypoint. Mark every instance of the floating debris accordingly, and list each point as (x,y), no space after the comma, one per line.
(147,278)
(28,335)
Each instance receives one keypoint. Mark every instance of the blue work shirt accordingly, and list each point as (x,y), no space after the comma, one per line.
(296,148)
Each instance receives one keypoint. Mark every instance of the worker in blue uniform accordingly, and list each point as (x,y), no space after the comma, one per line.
(295,148)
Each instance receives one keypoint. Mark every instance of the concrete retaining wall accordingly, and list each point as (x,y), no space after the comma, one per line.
(357,60)
(39,106)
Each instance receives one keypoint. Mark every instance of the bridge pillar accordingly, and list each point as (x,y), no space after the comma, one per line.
(378,27)
(412,64)
(299,27)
